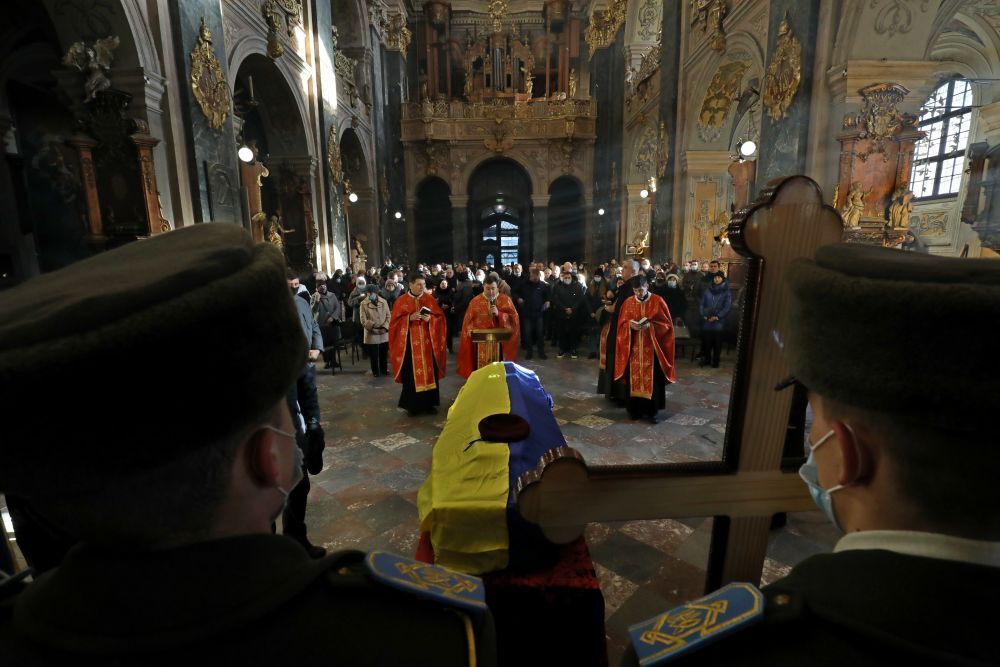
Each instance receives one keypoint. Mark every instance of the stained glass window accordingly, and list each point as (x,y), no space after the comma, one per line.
(939,158)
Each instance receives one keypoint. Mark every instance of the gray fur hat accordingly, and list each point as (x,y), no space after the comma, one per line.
(897,332)
(154,349)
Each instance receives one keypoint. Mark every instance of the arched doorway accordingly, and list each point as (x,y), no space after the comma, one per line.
(362,219)
(273,126)
(433,221)
(567,226)
(500,212)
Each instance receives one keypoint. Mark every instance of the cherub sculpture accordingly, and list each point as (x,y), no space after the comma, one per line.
(95,61)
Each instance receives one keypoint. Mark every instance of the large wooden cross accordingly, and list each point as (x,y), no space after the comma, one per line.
(749,485)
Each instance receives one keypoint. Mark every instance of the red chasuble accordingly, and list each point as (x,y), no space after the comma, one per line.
(472,356)
(426,340)
(637,348)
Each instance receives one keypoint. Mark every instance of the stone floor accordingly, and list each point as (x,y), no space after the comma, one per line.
(377,457)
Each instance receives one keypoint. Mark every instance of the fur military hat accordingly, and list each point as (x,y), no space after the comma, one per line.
(133,357)
(897,332)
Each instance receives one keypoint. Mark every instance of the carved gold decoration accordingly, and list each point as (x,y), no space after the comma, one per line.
(207,80)
(602,29)
(854,206)
(650,62)
(662,151)
(269,10)
(497,10)
(293,13)
(723,90)
(333,159)
(398,36)
(708,14)
(784,74)
(880,118)
(500,141)
(95,61)
(901,207)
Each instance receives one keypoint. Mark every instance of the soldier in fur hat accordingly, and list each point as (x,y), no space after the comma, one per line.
(167,463)
(902,458)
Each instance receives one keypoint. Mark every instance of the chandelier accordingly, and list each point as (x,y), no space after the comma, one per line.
(497,10)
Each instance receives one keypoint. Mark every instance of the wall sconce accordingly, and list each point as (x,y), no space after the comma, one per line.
(600,211)
(398,215)
(352,196)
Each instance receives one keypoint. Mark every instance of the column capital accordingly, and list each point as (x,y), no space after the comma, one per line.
(459,201)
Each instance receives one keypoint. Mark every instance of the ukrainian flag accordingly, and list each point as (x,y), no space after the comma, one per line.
(466,504)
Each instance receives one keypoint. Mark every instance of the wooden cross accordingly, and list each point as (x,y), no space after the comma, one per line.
(749,485)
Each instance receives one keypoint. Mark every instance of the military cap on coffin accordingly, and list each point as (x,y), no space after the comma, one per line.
(136,356)
(898,332)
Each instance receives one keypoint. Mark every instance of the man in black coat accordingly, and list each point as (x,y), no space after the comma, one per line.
(569,303)
(171,501)
(532,299)
(902,457)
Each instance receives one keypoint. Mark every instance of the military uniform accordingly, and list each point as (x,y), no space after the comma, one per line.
(866,607)
(255,599)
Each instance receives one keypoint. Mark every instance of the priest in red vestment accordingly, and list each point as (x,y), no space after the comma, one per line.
(417,347)
(644,350)
(489,310)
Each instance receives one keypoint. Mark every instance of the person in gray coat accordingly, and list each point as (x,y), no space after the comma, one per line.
(329,314)
(354,303)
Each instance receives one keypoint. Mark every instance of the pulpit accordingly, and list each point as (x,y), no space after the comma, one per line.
(489,340)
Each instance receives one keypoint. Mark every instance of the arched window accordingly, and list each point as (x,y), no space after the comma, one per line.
(939,158)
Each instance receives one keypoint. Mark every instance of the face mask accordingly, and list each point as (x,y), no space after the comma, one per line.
(597,279)
(322,289)
(672,284)
(567,281)
(810,476)
(297,473)
(294,290)
(373,297)
(686,269)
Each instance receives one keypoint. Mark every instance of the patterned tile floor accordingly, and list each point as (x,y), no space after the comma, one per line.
(377,457)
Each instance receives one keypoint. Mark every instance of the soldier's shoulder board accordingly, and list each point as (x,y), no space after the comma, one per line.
(696,624)
(431,582)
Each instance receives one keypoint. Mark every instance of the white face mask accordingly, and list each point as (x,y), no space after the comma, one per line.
(297,472)
(567,281)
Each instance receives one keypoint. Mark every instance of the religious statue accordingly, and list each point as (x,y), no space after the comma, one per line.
(529,83)
(270,13)
(854,206)
(334,37)
(572,83)
(358,257)
(901,207)
(95,61)
(276,232)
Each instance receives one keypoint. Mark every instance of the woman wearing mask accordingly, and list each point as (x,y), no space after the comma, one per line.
(672,293)
(375,315)
(446,299)
(716,302)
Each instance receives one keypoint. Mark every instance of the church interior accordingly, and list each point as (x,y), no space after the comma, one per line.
(357,134)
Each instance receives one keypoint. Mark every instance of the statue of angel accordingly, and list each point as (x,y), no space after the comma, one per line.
(95,61)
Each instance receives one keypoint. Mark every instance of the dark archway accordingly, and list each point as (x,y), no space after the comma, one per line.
(434,228)
(272,123)
(500,212)
(567,226)
(362,219)
(43,223)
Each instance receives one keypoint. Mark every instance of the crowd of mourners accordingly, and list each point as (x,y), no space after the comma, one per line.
(562,305)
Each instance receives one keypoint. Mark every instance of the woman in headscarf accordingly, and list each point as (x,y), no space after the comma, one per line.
(445,297)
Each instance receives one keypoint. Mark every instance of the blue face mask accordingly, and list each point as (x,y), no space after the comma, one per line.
(810,476)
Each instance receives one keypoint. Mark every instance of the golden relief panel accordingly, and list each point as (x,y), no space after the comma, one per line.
(208,83)
(784,74)
(603,27)
(722,91)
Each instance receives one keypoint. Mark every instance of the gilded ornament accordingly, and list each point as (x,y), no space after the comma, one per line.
(95,61)
(497,10)
(784,74)
(880,117)
(708,14)
(603,28)
(662,151)
(722,91)
(208,83)
(333,159)
(854,207)
(269,10)
(901,207)
(293,13)
(399,36)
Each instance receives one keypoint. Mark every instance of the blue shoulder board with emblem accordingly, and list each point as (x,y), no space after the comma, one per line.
(427,581)
(696,624)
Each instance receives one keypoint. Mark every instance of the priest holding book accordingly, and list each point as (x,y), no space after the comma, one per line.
(489,310)
(644,351)
(417,347)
